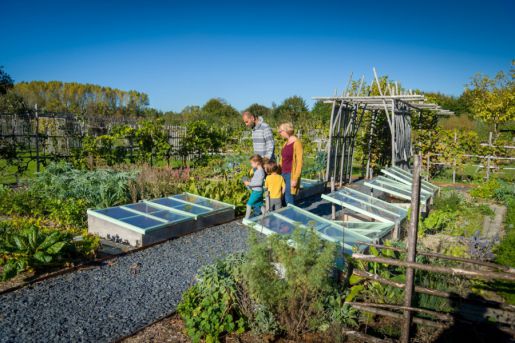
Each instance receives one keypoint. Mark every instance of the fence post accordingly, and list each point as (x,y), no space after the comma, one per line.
(333,206)
(454,161)
(37,138)
(412,247)
(488,157)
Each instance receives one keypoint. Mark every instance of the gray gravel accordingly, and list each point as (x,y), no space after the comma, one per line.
(105,303)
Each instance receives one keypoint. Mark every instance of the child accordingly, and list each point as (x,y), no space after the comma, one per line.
(256,186)
(275,185)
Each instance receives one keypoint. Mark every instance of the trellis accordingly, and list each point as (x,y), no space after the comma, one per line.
(347,114)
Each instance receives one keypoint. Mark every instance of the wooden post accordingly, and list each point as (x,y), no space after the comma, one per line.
(428,161)
(333,206)
(412,248)
(454,161)
(37,138)
(329,143)
(488,157)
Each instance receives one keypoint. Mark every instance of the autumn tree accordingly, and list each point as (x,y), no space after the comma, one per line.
(493,99)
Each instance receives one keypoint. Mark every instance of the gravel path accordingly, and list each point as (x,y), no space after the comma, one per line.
(105,303)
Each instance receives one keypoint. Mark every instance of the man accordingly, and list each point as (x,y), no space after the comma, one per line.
(262,136)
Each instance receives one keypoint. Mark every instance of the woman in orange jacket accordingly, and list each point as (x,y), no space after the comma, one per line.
(290,161)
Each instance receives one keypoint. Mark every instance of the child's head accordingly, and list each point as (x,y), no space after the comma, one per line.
(256,161)
(272,167)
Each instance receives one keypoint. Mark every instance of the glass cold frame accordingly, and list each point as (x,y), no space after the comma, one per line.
(393,188)
(366,205)
(285,220)
(198,200)
(410,176)
(142,221)
(395,175)
(181,206)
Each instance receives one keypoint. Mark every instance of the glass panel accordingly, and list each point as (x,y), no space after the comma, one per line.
(401,212)
(170,216)
(181,206)
(200,201)
(142,207)
(276,224)
(392,188)
(410,175)
(303,218)
(141,221)
(363,207)
(305,183)
(403,185)
(409,180)
(116,212)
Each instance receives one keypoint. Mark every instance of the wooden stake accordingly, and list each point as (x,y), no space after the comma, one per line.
(412,248)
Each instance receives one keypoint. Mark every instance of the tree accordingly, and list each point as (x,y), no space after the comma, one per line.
(493,99)
(219,111)
(78,98)
(321,112)
(6,82)
(292,109)
(259,110)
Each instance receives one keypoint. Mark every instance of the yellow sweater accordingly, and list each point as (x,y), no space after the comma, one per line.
(275,185)
(296,166)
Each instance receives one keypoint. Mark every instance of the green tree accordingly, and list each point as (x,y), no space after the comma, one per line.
(6,82)
(321,113)
(493,99)
(259,110)
(292,109)
(219,111)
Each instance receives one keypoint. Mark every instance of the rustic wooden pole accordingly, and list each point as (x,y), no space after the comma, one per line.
(412,248)
(434,292)
(396,315)
(491,265)
(472,274)
(428,162)
(329,143)
(333,206)
(454,161)
(489,156)
(37,138)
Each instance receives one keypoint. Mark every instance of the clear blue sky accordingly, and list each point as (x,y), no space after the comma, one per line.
(184,53)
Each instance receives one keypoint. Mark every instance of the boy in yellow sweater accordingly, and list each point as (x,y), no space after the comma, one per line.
(274,184)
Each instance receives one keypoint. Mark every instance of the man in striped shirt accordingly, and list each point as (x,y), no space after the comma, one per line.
(262,136)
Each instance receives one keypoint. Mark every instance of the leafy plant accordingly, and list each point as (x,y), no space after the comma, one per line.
(209,308)
(296,299)
(30,249)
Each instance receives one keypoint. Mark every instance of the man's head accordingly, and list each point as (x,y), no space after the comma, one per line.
(249,119)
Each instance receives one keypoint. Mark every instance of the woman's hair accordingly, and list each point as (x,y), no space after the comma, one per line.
(272,167)
(287,127)
(257,158)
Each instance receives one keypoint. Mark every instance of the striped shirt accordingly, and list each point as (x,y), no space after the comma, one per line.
(263,139)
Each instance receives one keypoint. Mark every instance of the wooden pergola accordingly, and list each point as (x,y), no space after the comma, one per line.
(347,115)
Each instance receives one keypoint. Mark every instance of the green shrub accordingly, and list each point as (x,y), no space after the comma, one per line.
(486,190)
(26,245)
(209,308)
(297,299)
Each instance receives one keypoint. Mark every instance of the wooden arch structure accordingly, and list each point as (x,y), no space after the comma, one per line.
(347,115)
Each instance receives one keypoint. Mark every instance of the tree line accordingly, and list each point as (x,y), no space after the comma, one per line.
(490,100)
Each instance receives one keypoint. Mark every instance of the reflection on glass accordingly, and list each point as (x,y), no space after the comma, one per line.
(141,221)
(116,212)
(181,206)
(199,201)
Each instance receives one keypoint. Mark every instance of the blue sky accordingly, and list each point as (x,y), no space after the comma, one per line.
(184,53)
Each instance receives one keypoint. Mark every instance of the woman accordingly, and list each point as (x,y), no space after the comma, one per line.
(291,161)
